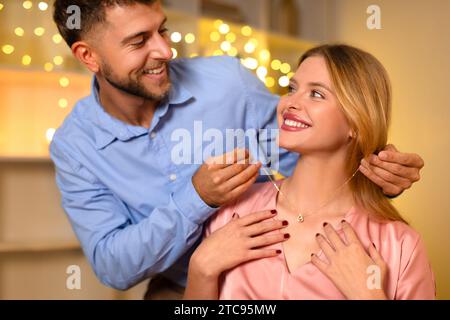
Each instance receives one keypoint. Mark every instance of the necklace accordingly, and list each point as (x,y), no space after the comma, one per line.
(301,216)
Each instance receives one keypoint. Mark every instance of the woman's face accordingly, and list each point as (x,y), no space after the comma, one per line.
(309,116)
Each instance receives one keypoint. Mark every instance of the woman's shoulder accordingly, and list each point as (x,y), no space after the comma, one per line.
(259,197)
(401,231)
(398,236)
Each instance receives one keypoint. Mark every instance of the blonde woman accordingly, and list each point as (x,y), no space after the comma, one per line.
(342,238)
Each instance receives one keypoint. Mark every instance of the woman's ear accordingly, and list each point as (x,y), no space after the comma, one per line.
(352,135)
(84,53)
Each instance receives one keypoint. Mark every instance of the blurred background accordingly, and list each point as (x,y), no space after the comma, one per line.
(40,81)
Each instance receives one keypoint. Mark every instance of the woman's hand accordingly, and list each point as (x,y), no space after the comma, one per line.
(349,264)
(239,241)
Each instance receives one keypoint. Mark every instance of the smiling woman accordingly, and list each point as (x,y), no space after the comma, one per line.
(336,113)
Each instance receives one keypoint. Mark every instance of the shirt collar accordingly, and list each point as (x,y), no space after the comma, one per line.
(107,128)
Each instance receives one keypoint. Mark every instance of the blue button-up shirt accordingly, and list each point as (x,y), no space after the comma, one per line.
(133,208)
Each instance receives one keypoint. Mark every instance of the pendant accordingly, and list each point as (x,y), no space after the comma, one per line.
(300,218)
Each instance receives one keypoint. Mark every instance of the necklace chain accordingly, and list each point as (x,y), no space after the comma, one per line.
(301,217)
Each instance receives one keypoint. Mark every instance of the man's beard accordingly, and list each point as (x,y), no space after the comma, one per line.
(134,87)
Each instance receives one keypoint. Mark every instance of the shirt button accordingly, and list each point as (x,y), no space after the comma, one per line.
(173,177)
(153,135)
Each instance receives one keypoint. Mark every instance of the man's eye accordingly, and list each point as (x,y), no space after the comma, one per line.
(138,44)
(317,94)
(291,89)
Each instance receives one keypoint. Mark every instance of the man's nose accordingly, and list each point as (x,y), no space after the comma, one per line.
(161,49)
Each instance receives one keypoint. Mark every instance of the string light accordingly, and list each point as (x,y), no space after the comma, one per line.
(250,63)
(225,46)
(19,31)
(26,60)
(246,31)
(264,55)
(233,52)
(193,55)
(174,53)
(39,31)
(43,6)
(1,6)
(218,53)
(49,134)
(276,64)
(176,37)
(8,49)
(189,38)
(58,60)
(285,68)
(57,38)
(63,103)
(230,37)
(261,72)
(217,24)
(270,82)
(283,81)
(48,67)
(224,28)
(249,47)
(214,36)
(64,82)
(27,4)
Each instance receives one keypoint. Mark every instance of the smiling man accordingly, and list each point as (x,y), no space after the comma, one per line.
(136,212)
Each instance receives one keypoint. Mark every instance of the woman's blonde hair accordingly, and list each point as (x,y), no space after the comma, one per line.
(363,90)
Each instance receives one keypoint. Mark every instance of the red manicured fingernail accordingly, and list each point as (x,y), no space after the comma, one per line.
(343,221)
(312,255)
(285,223)
(317,234)
(287,235)
(325,224)
(273,211)
(278,251)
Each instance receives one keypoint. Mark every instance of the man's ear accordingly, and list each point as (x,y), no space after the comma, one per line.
(86,55)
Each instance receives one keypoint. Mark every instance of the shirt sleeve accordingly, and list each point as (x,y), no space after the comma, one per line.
(262,106)
(123,253)
(416,281)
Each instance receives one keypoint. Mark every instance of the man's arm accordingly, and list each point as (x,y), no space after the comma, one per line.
(120,252)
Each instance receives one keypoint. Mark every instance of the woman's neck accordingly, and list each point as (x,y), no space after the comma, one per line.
(317,186)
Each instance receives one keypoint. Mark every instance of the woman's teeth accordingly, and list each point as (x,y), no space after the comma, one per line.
(295,124)
(154,71)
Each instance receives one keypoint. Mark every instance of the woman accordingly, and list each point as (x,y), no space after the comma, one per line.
(341,237)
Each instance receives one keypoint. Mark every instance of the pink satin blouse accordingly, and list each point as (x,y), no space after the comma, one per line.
(409,276)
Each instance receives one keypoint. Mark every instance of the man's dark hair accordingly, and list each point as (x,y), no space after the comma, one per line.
(93,12)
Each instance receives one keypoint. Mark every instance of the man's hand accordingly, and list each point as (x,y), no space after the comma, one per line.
(224,178)
(393,171)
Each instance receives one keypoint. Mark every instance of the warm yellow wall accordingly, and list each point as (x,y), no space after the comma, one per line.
(414,45)
(29,105)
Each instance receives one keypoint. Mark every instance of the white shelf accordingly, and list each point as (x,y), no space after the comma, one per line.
(38,246)
(20,159)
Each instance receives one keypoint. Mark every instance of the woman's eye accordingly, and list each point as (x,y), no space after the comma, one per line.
(317,94)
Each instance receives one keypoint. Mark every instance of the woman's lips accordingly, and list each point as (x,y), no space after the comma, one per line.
(293,123)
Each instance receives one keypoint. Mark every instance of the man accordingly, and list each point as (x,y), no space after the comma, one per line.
(136,211)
